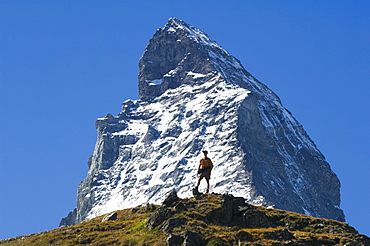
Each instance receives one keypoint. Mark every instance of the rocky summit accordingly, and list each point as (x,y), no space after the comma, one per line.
(194,95)
(203,220)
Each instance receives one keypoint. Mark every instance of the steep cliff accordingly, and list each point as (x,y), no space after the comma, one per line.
(194,95)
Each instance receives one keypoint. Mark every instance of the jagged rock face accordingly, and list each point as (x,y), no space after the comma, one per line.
(168,57)
(194,96)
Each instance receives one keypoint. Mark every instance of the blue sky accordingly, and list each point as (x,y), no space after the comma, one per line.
(65,63)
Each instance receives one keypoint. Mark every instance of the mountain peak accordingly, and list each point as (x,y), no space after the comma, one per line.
(176,23)
(179,48)
(183,29)
(195,96)
(175,50)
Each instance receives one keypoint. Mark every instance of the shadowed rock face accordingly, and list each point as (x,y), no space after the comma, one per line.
(168,58)
(194,95)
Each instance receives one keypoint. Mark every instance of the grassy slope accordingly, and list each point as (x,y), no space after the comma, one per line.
(204,216)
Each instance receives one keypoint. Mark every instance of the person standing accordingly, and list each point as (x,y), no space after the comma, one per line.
(204,170)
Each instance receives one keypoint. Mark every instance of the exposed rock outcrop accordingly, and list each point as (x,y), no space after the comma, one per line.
(247,225)
(211,219)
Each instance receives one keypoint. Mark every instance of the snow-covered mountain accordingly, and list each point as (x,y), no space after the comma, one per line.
(193,95)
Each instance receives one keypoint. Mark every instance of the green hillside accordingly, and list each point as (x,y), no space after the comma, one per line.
(211,220)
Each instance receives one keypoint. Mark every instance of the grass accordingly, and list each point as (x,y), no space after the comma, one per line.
(204,217)
(127,230)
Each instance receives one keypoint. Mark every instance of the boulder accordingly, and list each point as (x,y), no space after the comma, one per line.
(180,207)
(171,199)
(193,239)
(224,214)
(172,223)
(174,240)
(158,217)
(111,216)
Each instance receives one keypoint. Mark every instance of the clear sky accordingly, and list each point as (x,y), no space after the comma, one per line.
(65,63)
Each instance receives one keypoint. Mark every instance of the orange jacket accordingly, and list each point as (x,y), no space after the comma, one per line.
(205,163)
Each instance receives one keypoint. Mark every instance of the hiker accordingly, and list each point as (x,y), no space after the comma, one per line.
(204,170)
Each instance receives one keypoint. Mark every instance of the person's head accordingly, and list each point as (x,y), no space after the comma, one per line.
(205,152)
